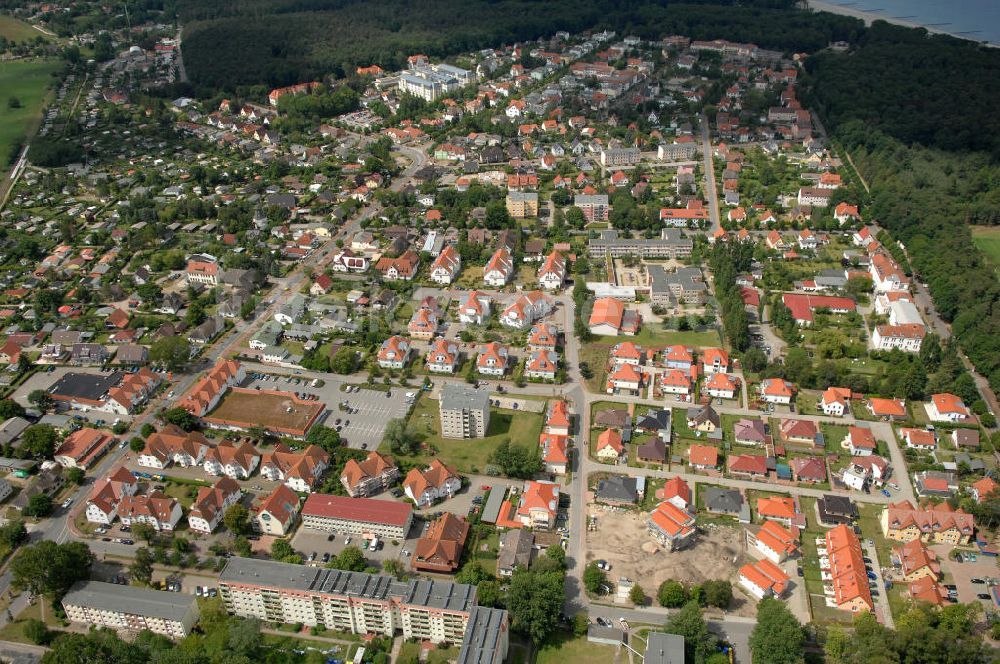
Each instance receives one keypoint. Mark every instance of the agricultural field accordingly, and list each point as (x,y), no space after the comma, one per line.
(14,30)
(28,81)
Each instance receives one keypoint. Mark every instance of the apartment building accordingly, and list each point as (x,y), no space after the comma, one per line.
(350,601)
(670,244)
(364,516)
(464,413)
(522,204)
(131,609)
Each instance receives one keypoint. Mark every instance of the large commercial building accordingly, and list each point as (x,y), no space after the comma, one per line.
(430,81)
(465,413)
(130,609)
(359,603)
(670,244)
(364,516)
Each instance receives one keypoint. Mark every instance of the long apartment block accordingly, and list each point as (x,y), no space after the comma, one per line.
(438,611)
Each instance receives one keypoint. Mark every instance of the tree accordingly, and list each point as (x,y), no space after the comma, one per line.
(41,400)
(393,567)
(593,578)
(137,444)
(400,438)
(672,594)
(36,631)
(74,476)
(344,361)
(237,519)
(49,568)
(13,102)
(518,461)
(473,573)
(581,624)
(244,636)
(282,550)
(718,593)
(10,408)
(350,559)
(488,593)
(325,437)
(101,645)
(534,602)
(777,638)
(637,595)
(13,533)
(144,531)
(181,418)
(39,506)
(173,353)
(754,360)
(698,641)
(141,569)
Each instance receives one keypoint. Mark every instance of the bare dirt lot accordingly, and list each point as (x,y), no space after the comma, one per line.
(621,539)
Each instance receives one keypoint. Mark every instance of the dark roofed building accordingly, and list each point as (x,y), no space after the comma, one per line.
(724,501)
(655,451)
(615,418)
(516,546)
(619,490)
(835,510)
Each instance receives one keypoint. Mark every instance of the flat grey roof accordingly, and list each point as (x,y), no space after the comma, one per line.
(664,649)
(433,594)
(459,397)
(491,511)
(482,636)
(75,385)
(139,601)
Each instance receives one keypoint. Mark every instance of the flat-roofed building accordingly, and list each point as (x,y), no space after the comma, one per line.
(464,412)
(131,609)
(356,602)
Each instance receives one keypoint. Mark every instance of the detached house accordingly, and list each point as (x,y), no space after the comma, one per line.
(671,527)
(475,309)
(500,268)
(446,266)
(437,482)
(211,504)
(173,445)
(394,353)
(493,359)
(946,407)
(403,268)
(442,357)
(369,477)
(300,471)
(102,506)
(777,391)
(526,309)
(157,509)
(552,274)
(226,458)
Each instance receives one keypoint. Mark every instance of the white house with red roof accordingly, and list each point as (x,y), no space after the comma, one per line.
(777,391)
(541,364)
(102,505)
(555,454)
(446,266)
(835,401)
(676,491)
(764,579)
(625,379)
(721,386)
(474,309)
(773,541)
(539,504)
(714,360)
(671,527)
(675,381)
(525,310)
(394,353)
(500,268)
(211,504)
(552,274)
(442,356)
(945,407)
(493,359)
(860,441)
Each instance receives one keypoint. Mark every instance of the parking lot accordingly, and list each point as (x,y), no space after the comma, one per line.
(362,426)
(307,541)
(961,575)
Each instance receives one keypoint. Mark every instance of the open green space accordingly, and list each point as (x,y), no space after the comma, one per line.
(564,647)
(434,656)
(18,31)
(28,82)
(655,335)
(469,455)
(987,240)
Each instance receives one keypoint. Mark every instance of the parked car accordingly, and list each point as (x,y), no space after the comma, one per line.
(985,596)
(977,580)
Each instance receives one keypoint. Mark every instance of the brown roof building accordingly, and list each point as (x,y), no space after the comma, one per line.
(440,549)
(369,477)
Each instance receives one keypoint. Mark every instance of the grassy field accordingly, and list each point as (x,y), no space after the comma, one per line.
(18,31)
(655,335)
(470,455)
(987,238)
(28,80)
(564,647)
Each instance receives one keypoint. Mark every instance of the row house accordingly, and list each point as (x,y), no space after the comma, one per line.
(102,505)
(427,486)
(157,509)
(232,460)
(173,445)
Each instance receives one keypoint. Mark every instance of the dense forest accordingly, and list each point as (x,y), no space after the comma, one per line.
(935,90)
(280,42)
(917,115)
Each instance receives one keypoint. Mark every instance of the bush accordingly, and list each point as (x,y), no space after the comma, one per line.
(36,631)
(672,594)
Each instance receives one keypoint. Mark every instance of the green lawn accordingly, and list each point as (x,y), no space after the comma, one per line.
(18,31)
(28,80)
(654,335)
(563,647)
(470,455)
(434,656)
(987,238)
